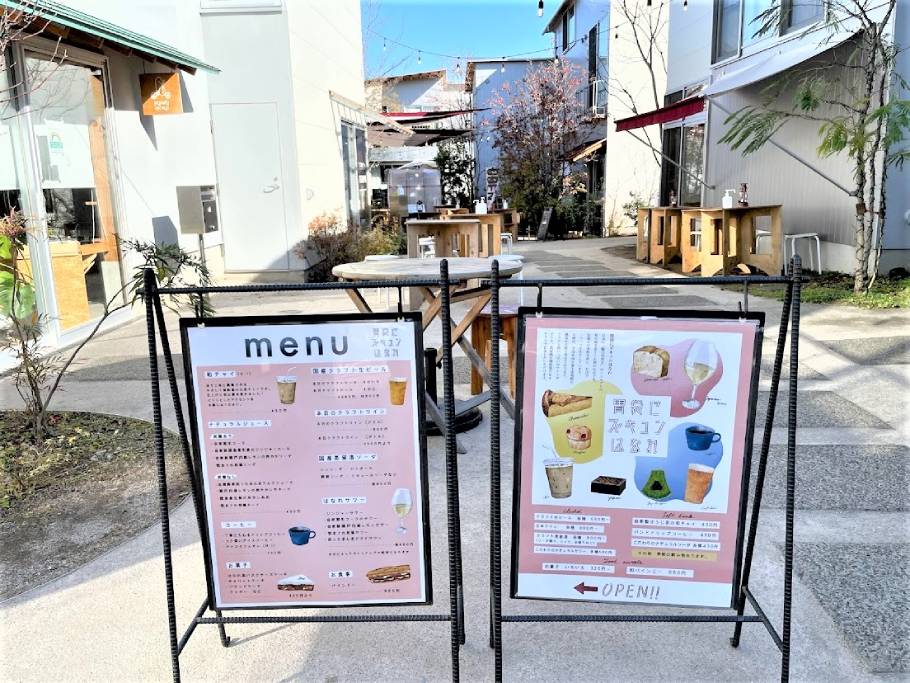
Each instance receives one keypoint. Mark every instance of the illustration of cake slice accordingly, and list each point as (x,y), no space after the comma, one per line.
(556,403)
(651,361)
(295,583)
(579,437)
(398,572)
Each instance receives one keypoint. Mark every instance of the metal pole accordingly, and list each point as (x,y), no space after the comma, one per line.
(763,459)
(791,471)
(495,474)
(452,503)
(150,293)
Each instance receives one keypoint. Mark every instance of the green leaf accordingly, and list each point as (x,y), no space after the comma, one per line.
(6,247)
(16,300)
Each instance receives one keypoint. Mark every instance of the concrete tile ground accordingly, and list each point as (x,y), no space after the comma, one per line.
(106,621)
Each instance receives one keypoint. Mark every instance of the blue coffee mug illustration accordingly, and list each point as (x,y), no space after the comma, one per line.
(700,438)
(301,535)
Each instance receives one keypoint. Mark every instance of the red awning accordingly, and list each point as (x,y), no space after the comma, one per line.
(672,112)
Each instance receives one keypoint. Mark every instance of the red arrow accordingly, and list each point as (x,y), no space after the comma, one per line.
(582,588)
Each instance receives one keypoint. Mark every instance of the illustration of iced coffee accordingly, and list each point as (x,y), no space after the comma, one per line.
(398,390)
(559,476)
(287,388)
(698,481)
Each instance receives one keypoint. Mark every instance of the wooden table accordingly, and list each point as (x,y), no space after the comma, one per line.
(466,237)
(664,241)
(720,240)
(461,271)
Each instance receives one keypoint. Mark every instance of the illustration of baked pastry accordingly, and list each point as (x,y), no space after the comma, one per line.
(398,572)
(556,403)
(656,487)
(651,361)
(295,583)
(579,437)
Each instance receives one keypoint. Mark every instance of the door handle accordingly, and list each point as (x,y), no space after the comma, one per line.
(270,188)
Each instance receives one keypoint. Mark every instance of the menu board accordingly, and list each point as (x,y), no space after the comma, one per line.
(312,461)
(631,456)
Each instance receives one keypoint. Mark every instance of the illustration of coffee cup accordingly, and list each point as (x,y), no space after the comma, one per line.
(698,482)
(287,388)
(398,390)
(559,476)
(699,438)
(301,535)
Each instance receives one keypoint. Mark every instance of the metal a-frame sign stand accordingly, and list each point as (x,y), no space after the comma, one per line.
(790,313)
(157,331)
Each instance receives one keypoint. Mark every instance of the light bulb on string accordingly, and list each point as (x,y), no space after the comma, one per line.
(649,3)
(383,45)
(539,8)
(685,5)
(419,60)
(616,34)
(502,66)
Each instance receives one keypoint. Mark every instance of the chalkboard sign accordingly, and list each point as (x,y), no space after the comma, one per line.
(544,223)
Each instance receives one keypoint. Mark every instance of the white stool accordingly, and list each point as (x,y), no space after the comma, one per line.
(504,258)
(426,246)
(505,241)
(794,238)
(382,257)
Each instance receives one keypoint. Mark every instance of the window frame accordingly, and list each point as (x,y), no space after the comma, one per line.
(567,23)
(784,29)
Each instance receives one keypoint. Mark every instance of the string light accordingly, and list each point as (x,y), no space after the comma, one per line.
(685,5)
(419,60)
(616,34)
(383,45)
(539,8)
(502,66)
(649,3)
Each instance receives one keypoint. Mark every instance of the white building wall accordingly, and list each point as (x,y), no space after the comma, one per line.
(154,154)
(326,54)
(689,44)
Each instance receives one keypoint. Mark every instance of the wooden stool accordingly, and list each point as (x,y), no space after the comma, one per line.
(481,331)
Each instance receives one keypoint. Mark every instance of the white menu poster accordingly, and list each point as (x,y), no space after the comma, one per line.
(630,457)
(312,462)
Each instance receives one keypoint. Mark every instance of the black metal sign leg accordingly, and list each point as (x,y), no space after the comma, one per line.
(451,476)
(763,461)
(791,473)
(495,474)
(225,638)
(150,293)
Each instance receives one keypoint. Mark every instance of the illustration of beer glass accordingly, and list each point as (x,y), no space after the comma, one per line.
(701,362)
(401,504)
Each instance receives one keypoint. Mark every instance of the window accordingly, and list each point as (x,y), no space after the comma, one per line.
(681,176)
(736,22)
(800,13)
(726,26)
(568,28)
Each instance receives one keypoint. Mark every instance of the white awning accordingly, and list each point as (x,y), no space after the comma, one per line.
(775,61)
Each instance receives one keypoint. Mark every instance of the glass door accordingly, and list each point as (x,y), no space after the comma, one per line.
(67,104)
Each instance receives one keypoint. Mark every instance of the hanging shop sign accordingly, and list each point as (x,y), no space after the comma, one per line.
(631,455)
(308,442)
(160,94)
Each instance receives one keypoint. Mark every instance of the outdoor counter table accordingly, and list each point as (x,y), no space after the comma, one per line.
(461,270)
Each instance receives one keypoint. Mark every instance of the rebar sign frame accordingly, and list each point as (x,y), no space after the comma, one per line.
(631,454)
(307,434)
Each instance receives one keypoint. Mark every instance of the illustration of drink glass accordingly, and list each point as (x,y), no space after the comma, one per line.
(398,390)
(698,481)
(701,362)
(287,388)
(401,504)
(559,476)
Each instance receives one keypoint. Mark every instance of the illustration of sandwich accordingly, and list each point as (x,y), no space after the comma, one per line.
(398,572)
(651,361)
(558,403)
(295,583)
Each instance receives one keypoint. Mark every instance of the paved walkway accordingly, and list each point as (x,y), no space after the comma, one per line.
(106,621)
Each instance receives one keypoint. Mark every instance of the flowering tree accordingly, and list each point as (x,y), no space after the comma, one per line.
(534,126)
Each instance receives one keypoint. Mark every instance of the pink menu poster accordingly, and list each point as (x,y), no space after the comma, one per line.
(631,458)
(312,462)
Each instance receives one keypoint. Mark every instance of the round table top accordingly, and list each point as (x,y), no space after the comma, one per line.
(460,268)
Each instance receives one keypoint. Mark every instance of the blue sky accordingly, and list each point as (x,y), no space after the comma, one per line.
(466,28)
